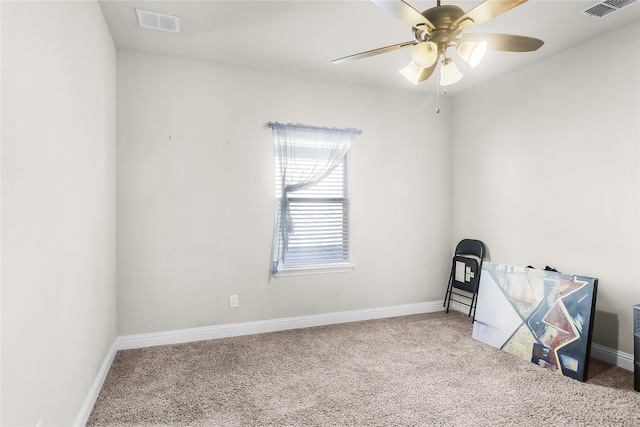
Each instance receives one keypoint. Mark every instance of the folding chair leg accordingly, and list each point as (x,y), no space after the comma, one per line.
(449,289)
(474,302)
(447,296)
(450,295)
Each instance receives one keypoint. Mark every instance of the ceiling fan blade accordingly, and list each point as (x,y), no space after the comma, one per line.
(484,11)
(504,42)
(406,12)
(373,52)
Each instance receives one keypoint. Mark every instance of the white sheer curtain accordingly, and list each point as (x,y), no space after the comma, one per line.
(305,155)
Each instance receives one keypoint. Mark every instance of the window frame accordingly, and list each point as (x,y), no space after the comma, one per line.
(344,264)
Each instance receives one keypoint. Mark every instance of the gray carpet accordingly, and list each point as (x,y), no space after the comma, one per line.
(421,370)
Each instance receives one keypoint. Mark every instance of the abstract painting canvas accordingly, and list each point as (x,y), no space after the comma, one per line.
(542,316)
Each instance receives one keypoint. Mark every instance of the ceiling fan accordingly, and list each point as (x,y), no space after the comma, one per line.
(441,27)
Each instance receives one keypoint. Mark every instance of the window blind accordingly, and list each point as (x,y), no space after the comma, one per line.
(320,218)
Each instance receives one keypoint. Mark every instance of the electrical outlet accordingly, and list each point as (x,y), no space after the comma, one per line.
(233,300)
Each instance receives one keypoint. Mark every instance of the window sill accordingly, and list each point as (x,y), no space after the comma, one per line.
(316,269)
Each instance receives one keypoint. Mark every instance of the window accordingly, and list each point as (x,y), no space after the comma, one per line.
(311,231)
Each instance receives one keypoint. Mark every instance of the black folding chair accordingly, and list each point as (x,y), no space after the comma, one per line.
(465,274)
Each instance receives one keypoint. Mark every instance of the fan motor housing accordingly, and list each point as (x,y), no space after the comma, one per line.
(442,18)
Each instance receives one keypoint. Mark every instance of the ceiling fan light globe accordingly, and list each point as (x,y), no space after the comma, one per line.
(412,72)
(424,54)
(472,52)
(449,73)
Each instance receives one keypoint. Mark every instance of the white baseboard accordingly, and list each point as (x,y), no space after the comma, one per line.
(612,356)
(94,391)
(128,342)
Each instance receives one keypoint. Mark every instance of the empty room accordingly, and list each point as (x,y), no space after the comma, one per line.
(231,213)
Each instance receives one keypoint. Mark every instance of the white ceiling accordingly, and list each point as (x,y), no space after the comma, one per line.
(304,36)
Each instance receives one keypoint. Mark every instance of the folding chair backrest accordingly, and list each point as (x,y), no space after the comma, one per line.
(471,247)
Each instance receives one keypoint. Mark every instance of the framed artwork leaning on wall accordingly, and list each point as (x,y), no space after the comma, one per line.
(539,315)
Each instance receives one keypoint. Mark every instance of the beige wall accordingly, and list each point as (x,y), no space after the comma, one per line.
(195,194)
(58,208)
(546,171)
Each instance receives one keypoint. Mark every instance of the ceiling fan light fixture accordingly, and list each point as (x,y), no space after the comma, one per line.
(449,73)
(424,54)
(412,72)
(416,74)
(472,52)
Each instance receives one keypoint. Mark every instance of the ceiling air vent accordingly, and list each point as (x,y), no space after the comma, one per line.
(158,21)
(606,7)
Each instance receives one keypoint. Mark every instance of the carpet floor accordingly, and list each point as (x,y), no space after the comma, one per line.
(419,370)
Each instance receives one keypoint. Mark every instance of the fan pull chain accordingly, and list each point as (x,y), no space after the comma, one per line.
(444,92)
(437,96)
